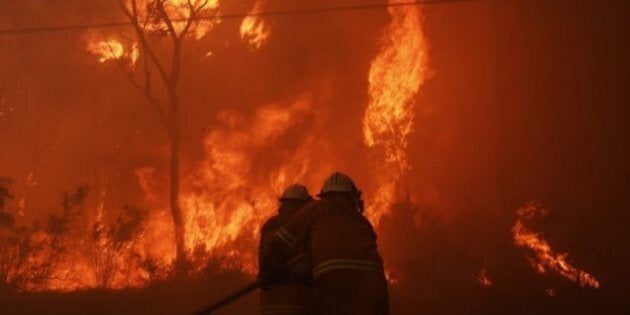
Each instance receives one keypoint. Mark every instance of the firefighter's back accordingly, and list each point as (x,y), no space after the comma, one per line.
(287,294)
(348,270)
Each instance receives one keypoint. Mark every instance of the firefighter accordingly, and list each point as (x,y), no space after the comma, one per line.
(285,295)
(347,274)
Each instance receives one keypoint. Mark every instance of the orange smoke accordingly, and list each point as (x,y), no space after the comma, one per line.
(545,259)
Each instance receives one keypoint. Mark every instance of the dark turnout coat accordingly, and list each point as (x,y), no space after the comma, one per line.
(348,276)
(286,296)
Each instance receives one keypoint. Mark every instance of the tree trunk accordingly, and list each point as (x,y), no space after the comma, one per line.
(176,211)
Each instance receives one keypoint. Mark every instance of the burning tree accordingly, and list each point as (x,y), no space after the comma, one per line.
(160,28)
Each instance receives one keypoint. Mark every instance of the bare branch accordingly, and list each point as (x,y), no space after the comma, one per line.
(180,12)
(132,16)
(202,5)
(192,18)
(167,19)
(148,62)
(146,89)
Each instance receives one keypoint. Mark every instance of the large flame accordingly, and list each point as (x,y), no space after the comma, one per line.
(224,203)
(225,200)
(545,259)
(395,77)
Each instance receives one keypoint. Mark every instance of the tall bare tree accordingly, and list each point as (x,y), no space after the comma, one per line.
(161,28)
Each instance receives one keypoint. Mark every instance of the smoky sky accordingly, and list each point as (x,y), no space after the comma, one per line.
(76,119)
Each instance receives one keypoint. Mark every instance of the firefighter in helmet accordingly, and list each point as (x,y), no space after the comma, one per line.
(285,295)
(347,274)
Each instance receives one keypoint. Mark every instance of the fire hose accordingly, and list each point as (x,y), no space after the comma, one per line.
(242,291)
(230,298)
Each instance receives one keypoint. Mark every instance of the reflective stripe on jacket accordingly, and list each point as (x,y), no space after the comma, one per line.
(287,238)
(346,264)
(281,309)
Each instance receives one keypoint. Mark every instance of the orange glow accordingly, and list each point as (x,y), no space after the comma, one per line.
(545,259)
(111,50)
(219,204)
(395,77)
(178,11)
(223,204)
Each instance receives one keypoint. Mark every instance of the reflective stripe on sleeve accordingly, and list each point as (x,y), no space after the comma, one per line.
(287,238)
(348,264)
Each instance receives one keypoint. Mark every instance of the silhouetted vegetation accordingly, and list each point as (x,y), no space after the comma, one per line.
(431,272)
(39,256)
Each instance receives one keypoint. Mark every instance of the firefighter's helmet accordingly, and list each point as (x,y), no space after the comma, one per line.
(339,182)
(296,192)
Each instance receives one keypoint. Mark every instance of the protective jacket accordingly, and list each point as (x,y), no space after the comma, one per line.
(348,276)
(286,295)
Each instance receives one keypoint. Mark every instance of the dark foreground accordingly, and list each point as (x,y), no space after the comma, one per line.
(185,296)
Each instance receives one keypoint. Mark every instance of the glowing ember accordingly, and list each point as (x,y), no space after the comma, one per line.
(395,77)
(483,279)
(254,30)
(545,258)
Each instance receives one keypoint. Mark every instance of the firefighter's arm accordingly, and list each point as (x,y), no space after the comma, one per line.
(300,268)
(269,262)
(292,236)
(266,234)
(285,243)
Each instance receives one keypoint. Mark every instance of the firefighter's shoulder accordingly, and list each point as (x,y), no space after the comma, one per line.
(271,224)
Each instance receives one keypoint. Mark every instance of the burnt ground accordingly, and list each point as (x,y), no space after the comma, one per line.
(183,298)
(446,297)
